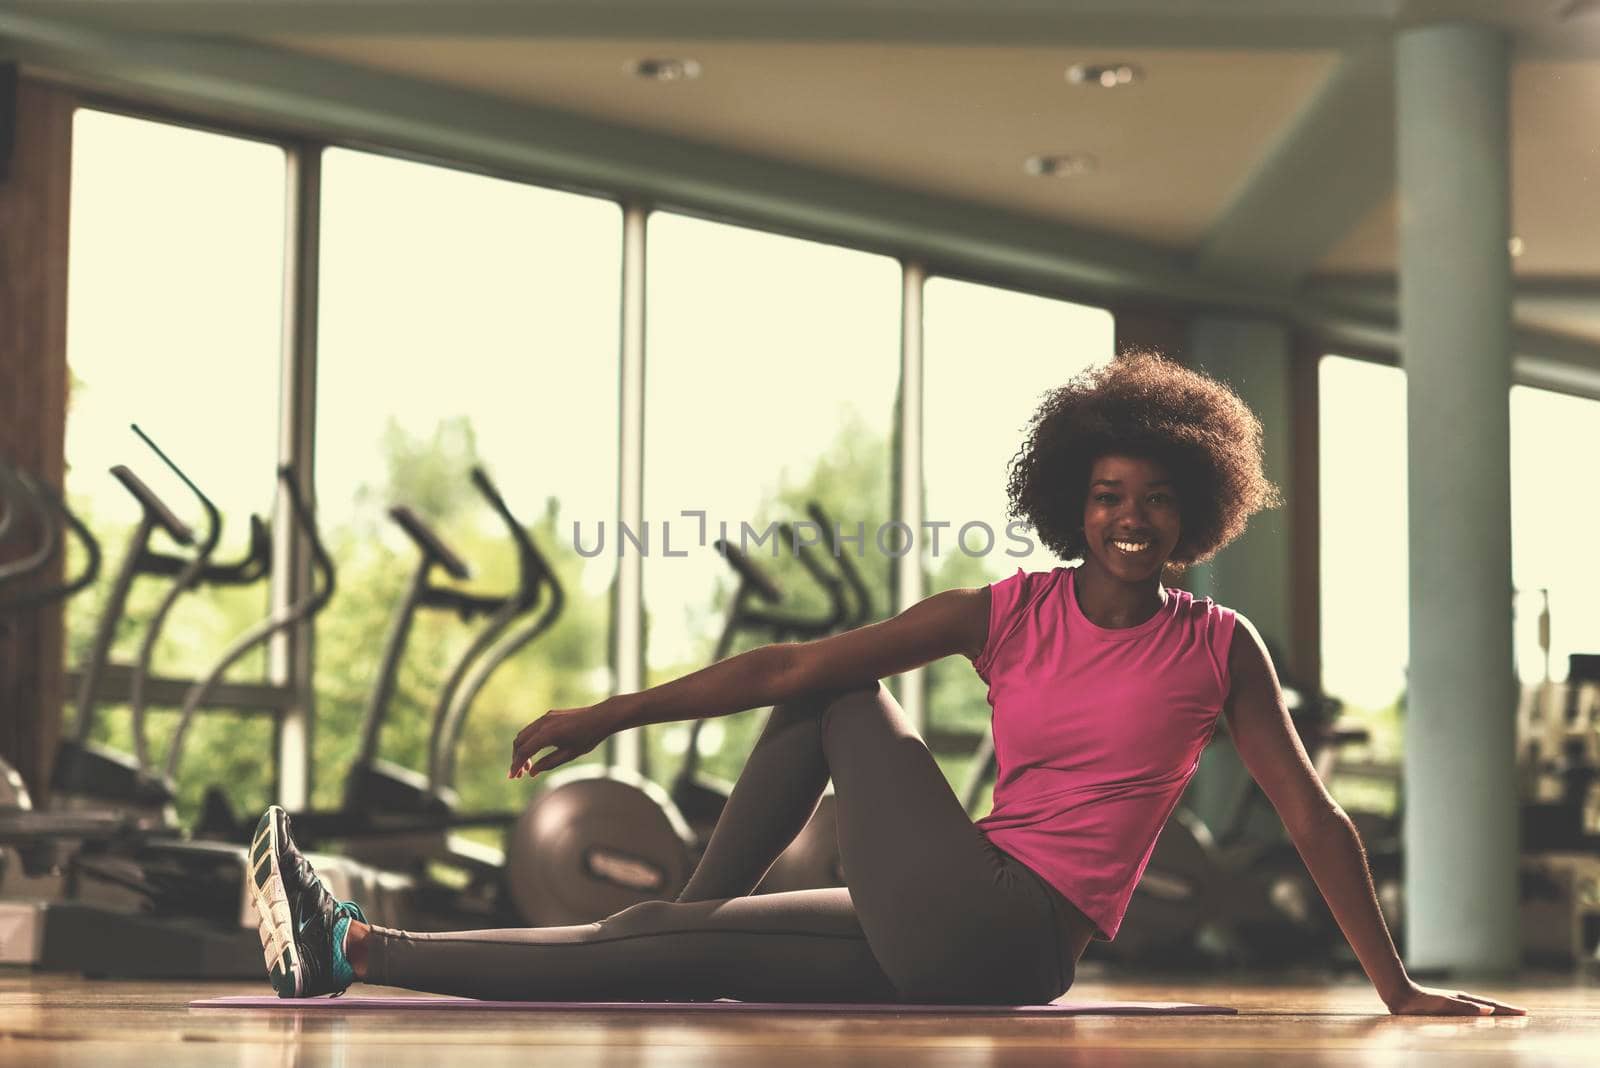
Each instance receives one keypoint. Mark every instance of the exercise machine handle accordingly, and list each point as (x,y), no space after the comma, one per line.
(8,499)
(435,551)
(19,490)
(752,574)
(831,583)
(252,567)
(532,568)
(155,509)
(754,582)
(432,546)
(852,575)
(91,548)
(784,624)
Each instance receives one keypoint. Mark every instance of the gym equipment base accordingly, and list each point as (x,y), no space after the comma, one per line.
(106,943)
(408,1004)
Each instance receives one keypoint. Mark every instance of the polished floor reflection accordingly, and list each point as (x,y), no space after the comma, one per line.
(54,1020)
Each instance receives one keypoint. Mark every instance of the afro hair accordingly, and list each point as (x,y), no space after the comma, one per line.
(1142,404)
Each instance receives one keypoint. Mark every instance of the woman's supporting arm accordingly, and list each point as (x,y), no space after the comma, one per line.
(1267,742)
(955,621)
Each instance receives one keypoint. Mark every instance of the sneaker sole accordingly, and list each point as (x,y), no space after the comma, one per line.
(271,903)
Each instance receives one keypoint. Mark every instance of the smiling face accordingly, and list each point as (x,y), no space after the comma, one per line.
(1130,518)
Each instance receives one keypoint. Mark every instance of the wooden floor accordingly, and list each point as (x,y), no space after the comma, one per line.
(54,1020)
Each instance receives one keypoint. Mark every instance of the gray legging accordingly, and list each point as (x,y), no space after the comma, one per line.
(934,912)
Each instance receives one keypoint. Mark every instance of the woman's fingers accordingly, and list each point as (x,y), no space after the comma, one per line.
(519,755)
(553,759)
(531,739)
(1430,1001)
(1459,1003)
(1498,1008)
(524,749)
(520,760)
(528,745)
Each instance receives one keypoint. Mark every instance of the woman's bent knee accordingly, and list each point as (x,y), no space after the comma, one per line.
(859,700)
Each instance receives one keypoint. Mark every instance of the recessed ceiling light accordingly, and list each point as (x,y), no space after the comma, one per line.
(1065,165)
(665,69)
(1515,245)
(1105,75)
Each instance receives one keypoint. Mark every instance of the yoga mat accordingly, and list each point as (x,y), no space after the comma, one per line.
(1058,1008)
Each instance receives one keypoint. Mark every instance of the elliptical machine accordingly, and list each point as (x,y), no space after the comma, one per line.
(90,775)
(389,797)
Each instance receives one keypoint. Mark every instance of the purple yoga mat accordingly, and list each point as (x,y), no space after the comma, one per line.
(1058,1008)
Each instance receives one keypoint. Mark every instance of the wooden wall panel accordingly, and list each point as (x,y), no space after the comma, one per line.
(34,195)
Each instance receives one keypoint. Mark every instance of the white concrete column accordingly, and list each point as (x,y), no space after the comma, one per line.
(1460,830)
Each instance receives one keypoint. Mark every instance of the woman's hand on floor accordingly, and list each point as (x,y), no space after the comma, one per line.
(1428,1001)
(567,732)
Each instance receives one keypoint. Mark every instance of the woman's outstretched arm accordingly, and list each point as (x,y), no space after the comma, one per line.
(955,621)
(1267,742)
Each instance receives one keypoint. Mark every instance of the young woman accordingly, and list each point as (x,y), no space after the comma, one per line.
(1105,685)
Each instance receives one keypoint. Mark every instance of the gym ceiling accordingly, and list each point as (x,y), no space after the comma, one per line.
(1249,166)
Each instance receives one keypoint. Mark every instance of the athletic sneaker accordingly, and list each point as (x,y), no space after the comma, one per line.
(302,927)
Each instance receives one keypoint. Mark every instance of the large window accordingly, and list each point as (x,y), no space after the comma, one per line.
(173,322)
(1553,512)
(1365,597)
(1365,635)
(464,320)
(770,382)
(989,357)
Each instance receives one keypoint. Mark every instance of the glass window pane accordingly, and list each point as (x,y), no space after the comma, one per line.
(771,378)
(989,356)
(464,320)
(174,318)
(1365,623)
(1552,511)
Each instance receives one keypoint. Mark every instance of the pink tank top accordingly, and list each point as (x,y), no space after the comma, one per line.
(1096,731)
